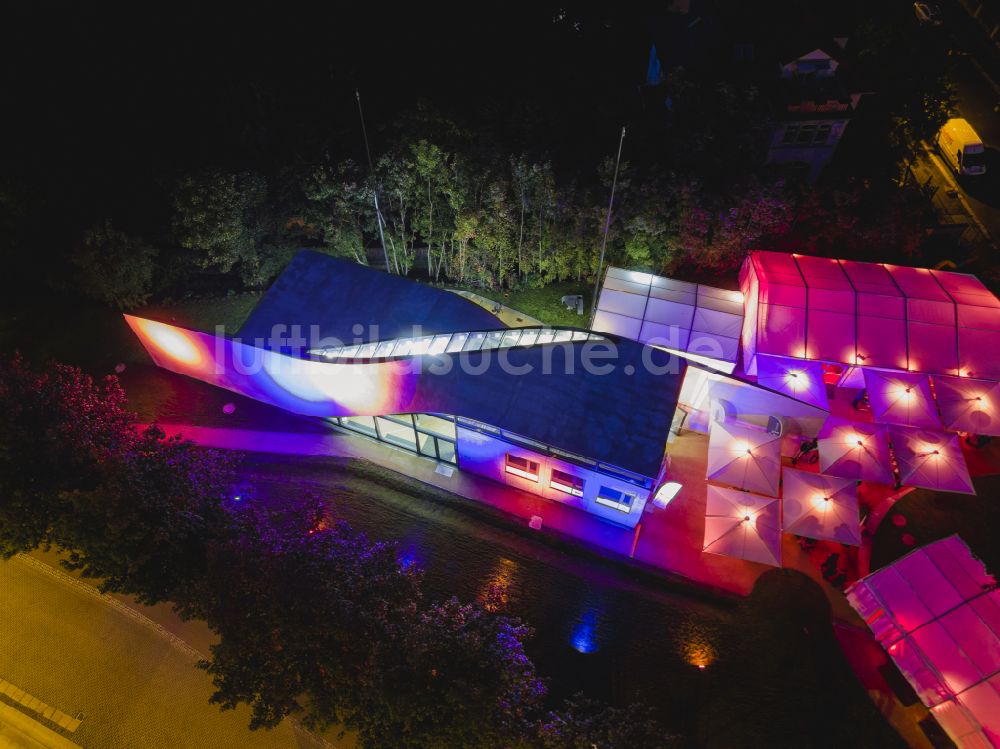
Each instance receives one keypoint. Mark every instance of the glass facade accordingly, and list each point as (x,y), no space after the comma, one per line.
(430,435)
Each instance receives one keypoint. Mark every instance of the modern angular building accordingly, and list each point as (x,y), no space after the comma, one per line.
(586,417)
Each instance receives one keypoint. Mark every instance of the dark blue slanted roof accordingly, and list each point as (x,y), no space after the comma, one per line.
(621,417)
(336,295)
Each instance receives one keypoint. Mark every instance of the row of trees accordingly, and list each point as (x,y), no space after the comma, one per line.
(495,223)
(314,619)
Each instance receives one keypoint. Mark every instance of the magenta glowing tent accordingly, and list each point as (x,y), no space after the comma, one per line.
(744,456)
(930,459)
(855,451)
(968,405)
(798,378)
(901,398)
(818,506)
(936,611)
(743,525)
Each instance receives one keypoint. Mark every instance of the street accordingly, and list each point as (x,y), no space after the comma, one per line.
(73,651)
(976,76)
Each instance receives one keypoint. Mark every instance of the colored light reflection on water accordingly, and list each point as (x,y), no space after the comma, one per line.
(495,595)
(583,637)
(409,558)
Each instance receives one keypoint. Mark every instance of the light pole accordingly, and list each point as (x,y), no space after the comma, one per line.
(371,172)
(607,228)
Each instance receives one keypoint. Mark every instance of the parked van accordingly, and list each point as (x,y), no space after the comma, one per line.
(961,147)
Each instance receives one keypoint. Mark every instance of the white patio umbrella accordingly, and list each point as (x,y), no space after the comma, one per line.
(855,451)
(930,459)
(818,506)
(743,525)
(901,398)
(744,456)
(968,405)
(799,378)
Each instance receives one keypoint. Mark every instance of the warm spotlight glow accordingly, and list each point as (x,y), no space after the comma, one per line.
(796,380)
(174,342)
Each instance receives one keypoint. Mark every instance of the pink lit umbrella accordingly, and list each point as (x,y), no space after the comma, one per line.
(930,459)
(855,451)
(818,506)
(901,398)
(743,525)
(968,405)
(744,456)
(797,378)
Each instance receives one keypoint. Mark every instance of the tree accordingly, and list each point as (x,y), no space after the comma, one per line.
(115,268)
(323,598)
(338,210)
(220,216)
(58,429)
(146,529)
(582,723)
(457,676)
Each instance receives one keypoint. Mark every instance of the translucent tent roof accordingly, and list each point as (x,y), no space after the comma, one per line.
(869,314)
(937,616)
(701,321)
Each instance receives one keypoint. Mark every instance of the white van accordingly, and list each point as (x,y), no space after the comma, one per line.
(961,147)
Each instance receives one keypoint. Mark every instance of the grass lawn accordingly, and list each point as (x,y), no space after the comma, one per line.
(544,304)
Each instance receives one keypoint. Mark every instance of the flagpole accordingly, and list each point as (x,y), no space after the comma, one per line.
(607,228)
(371,172)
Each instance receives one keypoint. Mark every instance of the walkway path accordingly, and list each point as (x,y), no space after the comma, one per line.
(509,316)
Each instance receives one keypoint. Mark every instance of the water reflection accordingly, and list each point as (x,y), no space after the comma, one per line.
(584,636)
(495,595)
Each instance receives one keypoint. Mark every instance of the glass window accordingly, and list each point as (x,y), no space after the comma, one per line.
(806,133)
(420,345)
(367,351)
(403,346)
(546,336)
(493,339)
(510,338)
(425,443)
(446,450)
(579,335)
(615,499)
(791,132)
(566,482)
(435,425)
(363,424)
(518,466)
(475,342)
(822,134)
(385,348)
(438,345)
(397,434)
(456,343)
(561,336)
(528,338)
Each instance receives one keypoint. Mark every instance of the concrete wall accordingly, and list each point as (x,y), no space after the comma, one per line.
(486,455)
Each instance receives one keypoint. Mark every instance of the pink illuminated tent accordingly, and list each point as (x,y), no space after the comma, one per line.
(968,405)
(936,615)
(798,378)
(855,451)
(930,459)
(818,506)
(901,398)
(743,525)
(744,456)
(868,314)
